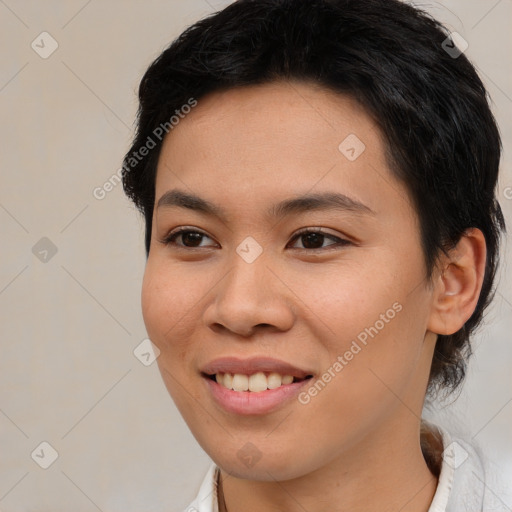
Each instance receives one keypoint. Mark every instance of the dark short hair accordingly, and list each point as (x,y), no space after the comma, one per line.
(441,138)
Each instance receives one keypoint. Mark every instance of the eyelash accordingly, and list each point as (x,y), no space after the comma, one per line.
(170,238)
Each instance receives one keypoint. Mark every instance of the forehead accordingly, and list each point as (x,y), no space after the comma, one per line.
(276,140)
(274,113)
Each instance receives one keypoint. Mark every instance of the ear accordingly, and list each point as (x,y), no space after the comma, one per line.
(457,284)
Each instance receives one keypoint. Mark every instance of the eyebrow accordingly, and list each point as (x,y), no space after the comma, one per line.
(300,204)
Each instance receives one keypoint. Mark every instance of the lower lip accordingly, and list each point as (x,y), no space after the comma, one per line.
(253,402)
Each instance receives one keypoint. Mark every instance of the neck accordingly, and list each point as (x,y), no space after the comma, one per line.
(385,472)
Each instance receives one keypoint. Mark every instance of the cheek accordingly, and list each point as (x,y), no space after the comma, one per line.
(349,300)
(169,308)
(168,312)
(375,322)
(154,304)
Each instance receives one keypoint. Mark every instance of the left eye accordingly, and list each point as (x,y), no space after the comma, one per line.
(314,239)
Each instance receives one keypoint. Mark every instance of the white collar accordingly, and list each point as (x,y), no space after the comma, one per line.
(446,476)
(207,498)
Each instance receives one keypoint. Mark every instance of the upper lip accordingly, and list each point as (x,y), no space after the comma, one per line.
(253,365)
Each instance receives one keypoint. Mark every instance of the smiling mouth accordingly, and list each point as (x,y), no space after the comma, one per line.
(256,382)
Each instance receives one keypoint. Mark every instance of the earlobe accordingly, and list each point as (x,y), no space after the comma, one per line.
(458,284)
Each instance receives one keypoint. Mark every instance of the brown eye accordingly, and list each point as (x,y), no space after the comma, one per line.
(189,238)
(314,239)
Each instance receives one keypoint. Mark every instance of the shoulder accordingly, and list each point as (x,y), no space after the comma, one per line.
(206,499)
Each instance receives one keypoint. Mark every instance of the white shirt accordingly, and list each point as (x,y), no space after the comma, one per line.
(461,487)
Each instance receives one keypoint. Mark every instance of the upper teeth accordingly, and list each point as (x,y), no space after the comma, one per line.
(256,382)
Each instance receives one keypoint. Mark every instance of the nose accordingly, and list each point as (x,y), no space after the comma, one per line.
(251,296)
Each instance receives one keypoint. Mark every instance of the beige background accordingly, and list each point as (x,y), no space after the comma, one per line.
(68,375)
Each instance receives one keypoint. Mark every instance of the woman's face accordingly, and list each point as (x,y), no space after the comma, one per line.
(245,293)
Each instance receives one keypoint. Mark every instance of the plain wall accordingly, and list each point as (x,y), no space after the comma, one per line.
(70,321)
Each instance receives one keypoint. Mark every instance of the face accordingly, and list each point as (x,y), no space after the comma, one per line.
(299,273)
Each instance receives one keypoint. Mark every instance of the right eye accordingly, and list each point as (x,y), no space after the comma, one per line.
(190,238)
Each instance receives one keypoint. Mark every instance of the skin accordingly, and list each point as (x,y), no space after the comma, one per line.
(355,446)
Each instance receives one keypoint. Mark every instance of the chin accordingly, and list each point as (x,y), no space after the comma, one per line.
(269,471)
(249,463)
